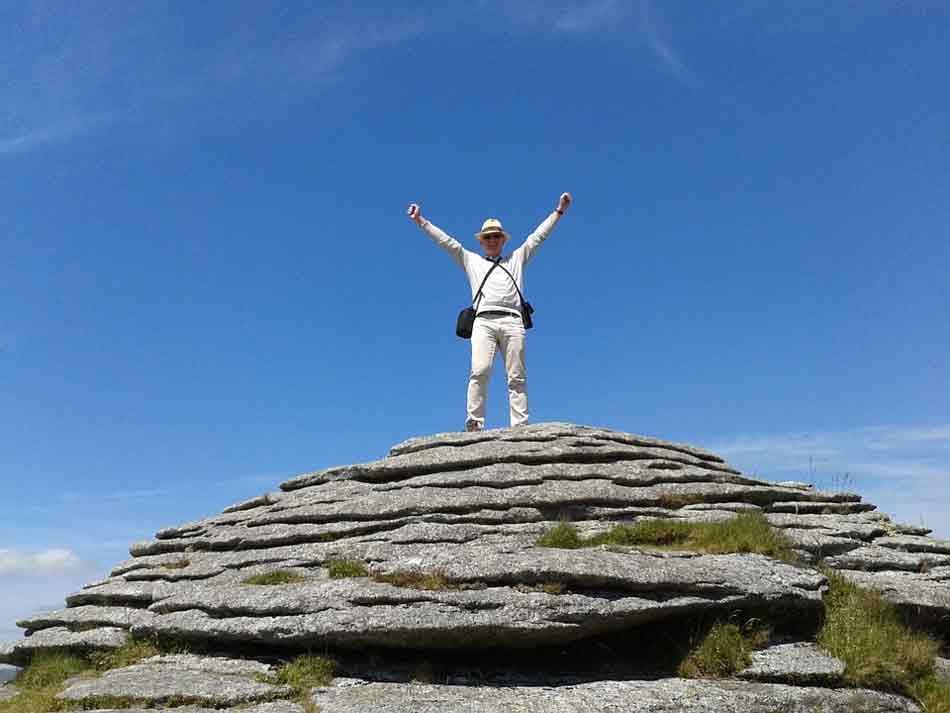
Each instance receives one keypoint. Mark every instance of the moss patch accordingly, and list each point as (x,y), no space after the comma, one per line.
(418,580)
(342,569)
(563,535)
(275,578)
(747,532)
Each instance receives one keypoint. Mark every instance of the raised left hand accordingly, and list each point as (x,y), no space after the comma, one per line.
(564,202)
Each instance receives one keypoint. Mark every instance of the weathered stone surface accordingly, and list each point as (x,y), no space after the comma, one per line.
(120,617)
(268,707)
(526,448)
(607,591)
(816,542)
(731,507)
(942,668)
(60,639)
(860,526)
(8,691)
(663,696)
(177,679)
(875,558)
(469,509)
(256,502)
(917,594)
(797,664)
(820,507)
(909,543)
(210,664)
(545,432)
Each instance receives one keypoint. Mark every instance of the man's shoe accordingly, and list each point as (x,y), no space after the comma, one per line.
(472,426)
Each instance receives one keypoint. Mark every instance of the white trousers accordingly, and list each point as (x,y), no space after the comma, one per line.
(490,334)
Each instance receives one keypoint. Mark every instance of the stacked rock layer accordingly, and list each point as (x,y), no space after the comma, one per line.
(468,510)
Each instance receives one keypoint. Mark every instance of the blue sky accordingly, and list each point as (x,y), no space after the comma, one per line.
(209,283)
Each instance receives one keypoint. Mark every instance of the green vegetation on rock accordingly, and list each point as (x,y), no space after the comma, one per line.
(747,532)
(417,580)
(39,682)
(563,535)
(274,578)
(722,652)
(307,671)
(131,653)
(342,569)
(879,652)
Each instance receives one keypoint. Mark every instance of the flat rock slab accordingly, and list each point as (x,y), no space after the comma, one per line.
(269,707)
(116,617)
(876,558)
(542,445)
(7,692)
(910,543)
(179,678)
(60,639)
(942,668)
(540,433)
(604,591)
(663,696)
(916,594)
(796,664)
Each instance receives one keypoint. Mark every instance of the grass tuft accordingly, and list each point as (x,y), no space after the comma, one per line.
(42,680)
(865,631)
(747,532)
(418,580)
(546,587)
(274,578)
(663,533)
(563,535)
(130,653)
(306,672)
(50,669)
(177,564)
(342,569)
(722,652)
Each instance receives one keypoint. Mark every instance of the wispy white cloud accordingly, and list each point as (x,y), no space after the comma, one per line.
(649,30)
(903,470)
(638,19)
(56,561)
(63,69)
(587,17)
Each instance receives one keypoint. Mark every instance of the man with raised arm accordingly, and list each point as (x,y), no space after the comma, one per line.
(498,319)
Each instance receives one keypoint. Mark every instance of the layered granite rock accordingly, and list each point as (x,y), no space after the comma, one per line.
(664,696)
(442,535)
(797,664)
(175,679)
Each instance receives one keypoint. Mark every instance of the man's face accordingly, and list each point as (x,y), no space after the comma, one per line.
(492,244)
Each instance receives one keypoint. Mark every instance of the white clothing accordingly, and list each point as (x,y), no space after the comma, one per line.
(493,332)
(499,293)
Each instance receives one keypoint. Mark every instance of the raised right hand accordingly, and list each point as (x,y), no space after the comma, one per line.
(414,212)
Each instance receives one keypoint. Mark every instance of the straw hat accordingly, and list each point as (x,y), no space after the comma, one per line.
(492,225)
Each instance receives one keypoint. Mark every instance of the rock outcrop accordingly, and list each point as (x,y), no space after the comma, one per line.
(439,544)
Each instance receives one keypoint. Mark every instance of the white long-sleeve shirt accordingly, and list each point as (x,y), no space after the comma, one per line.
(499,293)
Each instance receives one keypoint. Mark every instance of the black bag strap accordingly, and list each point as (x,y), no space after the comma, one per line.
(515,282)
(478,295)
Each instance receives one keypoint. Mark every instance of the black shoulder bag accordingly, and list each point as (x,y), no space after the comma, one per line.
(466,319)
